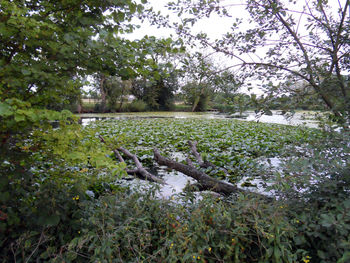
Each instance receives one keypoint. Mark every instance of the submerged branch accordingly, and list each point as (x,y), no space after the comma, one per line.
(140,171)
(204,164)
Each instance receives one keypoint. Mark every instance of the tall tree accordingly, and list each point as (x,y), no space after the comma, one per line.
(202,79)
(158,72)
(285,41)
(48,46)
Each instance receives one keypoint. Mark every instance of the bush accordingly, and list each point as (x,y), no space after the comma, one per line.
(224,108)
(140,227)
(136,106)
(182,107)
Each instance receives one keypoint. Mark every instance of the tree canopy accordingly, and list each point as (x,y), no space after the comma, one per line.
(288,41)
(48,47)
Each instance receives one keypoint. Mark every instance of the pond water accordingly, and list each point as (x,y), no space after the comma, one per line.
(300,118)
(176,181)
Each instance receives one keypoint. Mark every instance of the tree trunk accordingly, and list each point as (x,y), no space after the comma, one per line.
(205,182)
(103,93)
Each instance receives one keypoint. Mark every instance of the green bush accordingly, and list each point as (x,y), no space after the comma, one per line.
(140,227)
(88,107)
(225,108)
(182,107)
(136,106)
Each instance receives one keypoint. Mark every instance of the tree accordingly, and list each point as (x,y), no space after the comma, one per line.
(119,92)
(309,43)
(48,46)
(157,72)
(46,49)
(203,78)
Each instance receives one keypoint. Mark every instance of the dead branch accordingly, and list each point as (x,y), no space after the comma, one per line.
(204,164)
(206,182)
(140,171)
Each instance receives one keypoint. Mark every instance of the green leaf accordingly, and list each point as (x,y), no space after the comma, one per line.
(268,112)
(132,8)
(120,16)
(277,253)
(345,258)
(5,110)
(19,117)
(4,197)
(321,254)
(27,244)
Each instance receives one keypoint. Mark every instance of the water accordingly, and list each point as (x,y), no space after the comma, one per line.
(300,118)
(176,181)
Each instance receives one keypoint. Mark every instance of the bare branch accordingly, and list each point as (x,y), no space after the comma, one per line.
(204,164)
(206,181)
(140,169)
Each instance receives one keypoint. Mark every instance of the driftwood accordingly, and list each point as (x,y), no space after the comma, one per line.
(205,181)
(140,171)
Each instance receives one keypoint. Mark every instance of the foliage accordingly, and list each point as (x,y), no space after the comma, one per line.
(286,42)
(136,106)
(158,75)
(202,79)
(143,228)
(114,92)
(44,171)
(231,144)
(232,102)
(241,229)
(47,47)
(197,95)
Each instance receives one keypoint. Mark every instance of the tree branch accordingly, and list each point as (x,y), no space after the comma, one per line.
(205,182)
(140,169)
(203,164)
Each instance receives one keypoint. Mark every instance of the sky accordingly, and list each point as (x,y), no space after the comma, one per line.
(216,26)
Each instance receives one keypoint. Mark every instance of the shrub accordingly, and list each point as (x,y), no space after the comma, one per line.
(137,106)
(140,227)
(182,107)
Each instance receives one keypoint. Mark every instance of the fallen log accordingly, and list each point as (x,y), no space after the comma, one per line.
(206,182)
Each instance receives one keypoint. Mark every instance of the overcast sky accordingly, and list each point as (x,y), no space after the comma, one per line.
(216,26)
